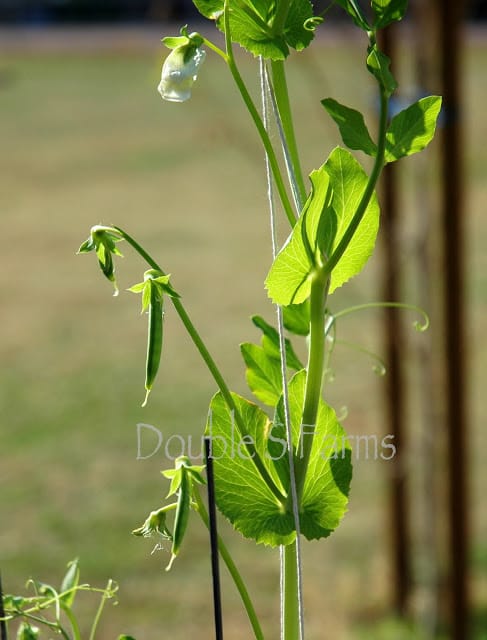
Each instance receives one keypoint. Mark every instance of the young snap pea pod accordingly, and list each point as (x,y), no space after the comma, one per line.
(182,478)
(153,287)
(154,340)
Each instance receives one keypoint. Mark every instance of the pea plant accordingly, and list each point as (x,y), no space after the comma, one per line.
(45,609)
(287,479)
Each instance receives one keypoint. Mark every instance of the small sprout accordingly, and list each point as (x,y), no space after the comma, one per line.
(102,240)
(155,523)
(180,69)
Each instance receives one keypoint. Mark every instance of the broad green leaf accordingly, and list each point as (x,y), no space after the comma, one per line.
(297,36)
(271,344)
(327,483)
(251,25)
(349,181)
(352,7)
(211,9)
(387,11)
(412,129)
(296,318)
(288,279)
(378,64)
(241,494)
(263,374)
(70,581)
(352,127)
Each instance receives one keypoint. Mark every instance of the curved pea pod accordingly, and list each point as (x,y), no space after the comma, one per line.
(153,288)
(179,71)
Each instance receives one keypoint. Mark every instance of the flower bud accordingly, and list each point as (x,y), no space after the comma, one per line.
(179,72)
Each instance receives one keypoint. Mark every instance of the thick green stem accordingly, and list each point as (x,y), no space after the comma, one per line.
(314,377)
(280,16)
(291,625)
(213,368)
(369,189)
(234,572)
(276,172)
(279,83)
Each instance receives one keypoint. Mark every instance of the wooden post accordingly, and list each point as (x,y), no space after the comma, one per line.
(451,13)
(394,381)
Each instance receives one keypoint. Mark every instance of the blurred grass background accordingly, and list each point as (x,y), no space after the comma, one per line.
(85,139)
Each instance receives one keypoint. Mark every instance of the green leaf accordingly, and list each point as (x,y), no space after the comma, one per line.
(241,494)
(327,483)
(211,9)
(244,498)
(349,181)
(125,637)
(387,11)
(297,36)
(263,374)
(378,64)
(352,126)
(288,279)
(173,42)
(412,129)
(70,581)
(271,344)
(353,9)
(251,25)
(296,318)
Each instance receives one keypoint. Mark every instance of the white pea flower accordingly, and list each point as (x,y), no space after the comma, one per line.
(179,72)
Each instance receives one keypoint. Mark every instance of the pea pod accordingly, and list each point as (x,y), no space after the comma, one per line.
(182,478)
(154,339)
(153,288)
(182,515)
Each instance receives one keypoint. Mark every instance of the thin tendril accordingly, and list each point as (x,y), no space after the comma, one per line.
(419,326)
(265,89)
(379,367)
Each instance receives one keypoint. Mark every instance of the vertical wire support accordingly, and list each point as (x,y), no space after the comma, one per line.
(266,92)
(215,567)
(450,12)
(395,382)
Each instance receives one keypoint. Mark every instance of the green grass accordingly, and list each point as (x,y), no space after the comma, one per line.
(86,139)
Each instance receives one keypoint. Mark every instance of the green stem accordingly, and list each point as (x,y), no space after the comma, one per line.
(213,368)
(99,611)
(369,189)
(291,626)
(234,572)
(319,288)
(314,378)
(74,623)
(279,82)
(281,16)
(276,172)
